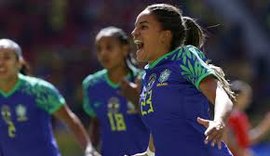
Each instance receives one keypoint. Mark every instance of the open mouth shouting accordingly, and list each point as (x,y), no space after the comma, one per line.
(139,45)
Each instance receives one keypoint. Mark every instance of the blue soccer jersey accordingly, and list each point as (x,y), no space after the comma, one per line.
(25,119)
(171,102)
(122,130)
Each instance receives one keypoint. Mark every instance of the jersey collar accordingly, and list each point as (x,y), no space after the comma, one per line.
(15,87)
(111,83)
(157,61)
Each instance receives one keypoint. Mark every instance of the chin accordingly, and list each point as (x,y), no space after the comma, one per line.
(140,57)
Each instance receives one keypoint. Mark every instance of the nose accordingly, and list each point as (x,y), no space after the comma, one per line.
(134,33)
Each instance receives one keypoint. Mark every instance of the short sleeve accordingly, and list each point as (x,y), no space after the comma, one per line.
(48,97)
(86,100)
(193,65)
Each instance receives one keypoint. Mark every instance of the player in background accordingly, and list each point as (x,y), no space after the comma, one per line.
(240,135)
(111,105)
(178,86)
(26,105)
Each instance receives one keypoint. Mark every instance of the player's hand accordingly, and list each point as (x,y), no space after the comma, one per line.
(90,151)
(93,153)
(266,121)
(138,154)
(214,131)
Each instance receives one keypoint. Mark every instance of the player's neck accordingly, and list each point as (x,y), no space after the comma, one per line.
(7,85)
(116,75)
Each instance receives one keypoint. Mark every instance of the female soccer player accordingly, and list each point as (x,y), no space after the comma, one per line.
(177,86)
(240,134)
(122,130)
(26,106)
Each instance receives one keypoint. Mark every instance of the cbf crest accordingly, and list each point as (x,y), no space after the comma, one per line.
(113,105)
(21,113)
(151,81)
(164,76)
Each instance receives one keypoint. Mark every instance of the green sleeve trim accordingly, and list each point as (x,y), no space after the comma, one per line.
(55,109)
(47,96)
(194,69)
(201,78)
(88,111)
(54,105)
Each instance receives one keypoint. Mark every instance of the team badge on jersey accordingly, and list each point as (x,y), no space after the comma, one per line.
(164,76)
(151,81)
(113,105)
(21,112)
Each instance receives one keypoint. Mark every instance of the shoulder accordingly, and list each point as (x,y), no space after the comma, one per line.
(191,57)
(94,78)
(35,82)
(189,52)
(195,51)
(184,53)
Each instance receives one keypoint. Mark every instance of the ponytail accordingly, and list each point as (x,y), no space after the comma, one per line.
(219,73)
(25,69)
(196,37)
(194,33)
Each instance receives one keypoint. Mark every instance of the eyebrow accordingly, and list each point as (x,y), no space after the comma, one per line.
(142,22)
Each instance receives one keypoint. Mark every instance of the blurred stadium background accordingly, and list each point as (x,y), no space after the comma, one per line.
(57,38)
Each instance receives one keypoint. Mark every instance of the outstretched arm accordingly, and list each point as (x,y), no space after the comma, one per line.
(94,131)
(75,125)
(256,134)
(214,92)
